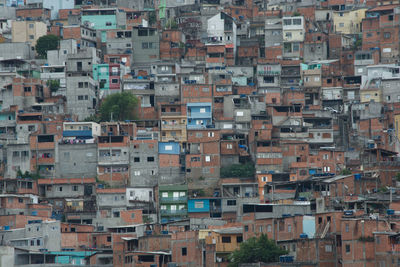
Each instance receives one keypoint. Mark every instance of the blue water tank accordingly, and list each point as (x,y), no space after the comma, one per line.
(34,213)
(286,258)
(303,235)
(390,212)
(348,212)
(357,176)
(7,227)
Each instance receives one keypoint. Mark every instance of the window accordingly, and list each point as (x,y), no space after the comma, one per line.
(269,228)
(347,227)
(32,242)
(27,89)
(287,22)
(208,158)
(246,228)
(75,188)
(137,173)
(341,25)
(226,239)
(386,35)
(150,159)
(184,251)
(228,146)
(31,37)
(38,242)
(347,248)
(296,21)
(239,239)
(114,81)
(288,35)
(198,204)
(20,200)
(289,228)
(116,214)
(325,156)
(31,26)
(199,135)
(108,238)
(145,45)
(210,134)
(136,159)
(108,23)
(231,202)
(60,189)
(328,248)
(195,159)
(269,79)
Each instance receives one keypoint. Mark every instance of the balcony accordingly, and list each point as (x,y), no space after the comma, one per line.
(173,126)
(199,115)
(173,212)
(80,133)
(173,199)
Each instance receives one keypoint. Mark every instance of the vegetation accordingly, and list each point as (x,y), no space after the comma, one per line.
(93,118)
(345,172)
(147,219)
(28,175)
(256,249)
(119,107)
(46,43)
(398,177)
(54,85)
(152,18)
(171,24)
(238,170)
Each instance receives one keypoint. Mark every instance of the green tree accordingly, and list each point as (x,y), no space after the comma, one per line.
(46,43)
(54,85)
(119,107)
(238,170)
(256,249)
(152,18)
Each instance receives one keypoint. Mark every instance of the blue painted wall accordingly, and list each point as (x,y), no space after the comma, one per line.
(192,207)
(163,148)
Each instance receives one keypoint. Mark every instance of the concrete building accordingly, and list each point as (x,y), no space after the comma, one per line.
(81,87)
(36,235)
(54,6)
(28,31)
(104,18)
(173,202)
(146,45)
(144,163)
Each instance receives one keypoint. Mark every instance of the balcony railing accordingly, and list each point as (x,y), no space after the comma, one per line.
(173,199)
(174,212)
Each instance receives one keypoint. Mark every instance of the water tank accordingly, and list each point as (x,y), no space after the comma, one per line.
(357,176)
(390,212)
(303,235)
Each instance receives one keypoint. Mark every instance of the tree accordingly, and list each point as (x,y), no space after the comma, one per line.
(54,85)
(118,106)
(238,170)
(46,43)
(256,249)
